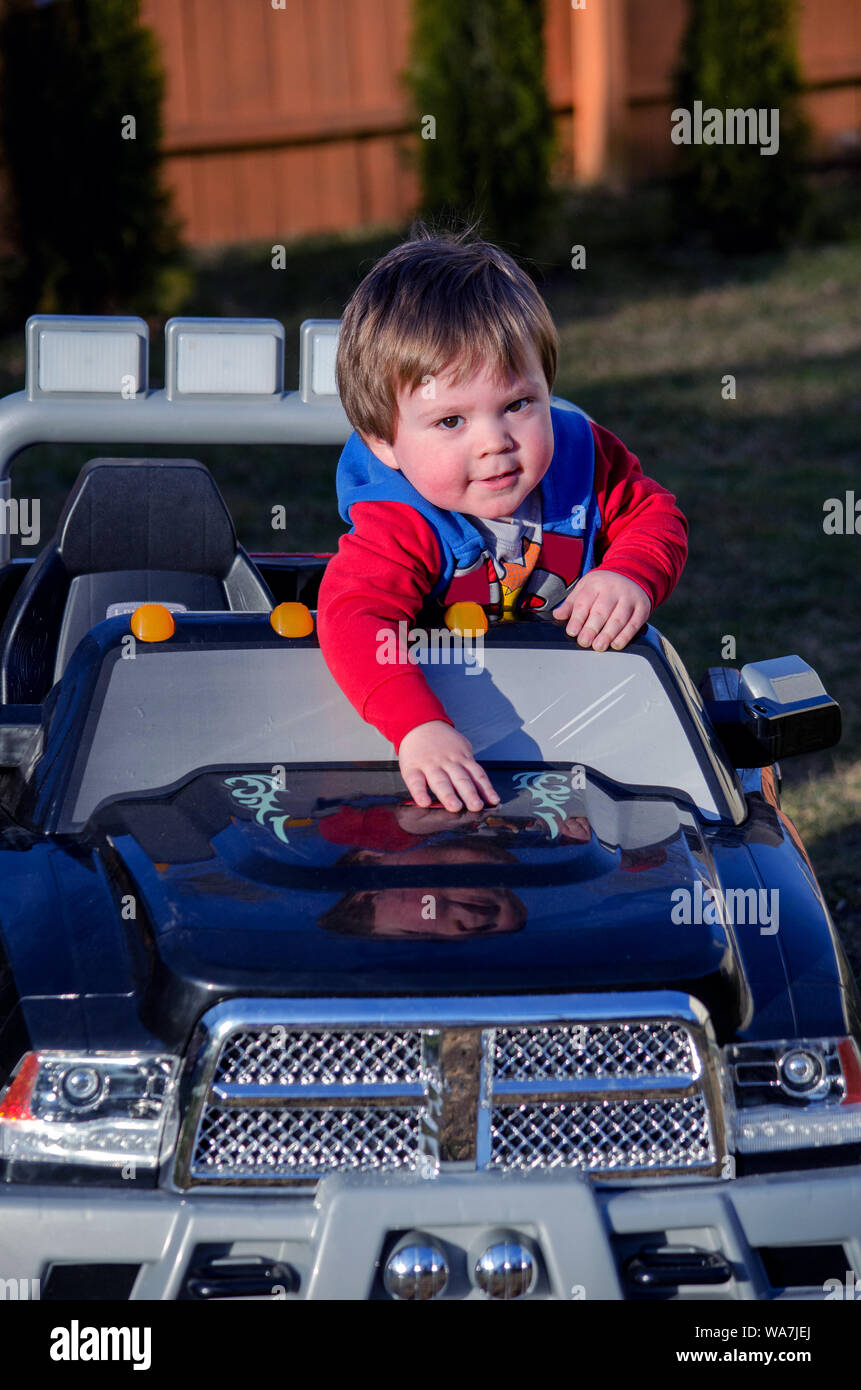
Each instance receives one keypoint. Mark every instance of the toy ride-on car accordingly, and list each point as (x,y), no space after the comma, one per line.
(267,1028)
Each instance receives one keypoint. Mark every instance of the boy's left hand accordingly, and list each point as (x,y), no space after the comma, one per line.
(604,609)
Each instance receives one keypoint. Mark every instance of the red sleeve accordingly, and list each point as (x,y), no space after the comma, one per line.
(382,573)
(643,533)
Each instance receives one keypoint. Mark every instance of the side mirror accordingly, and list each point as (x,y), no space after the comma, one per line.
(770,710)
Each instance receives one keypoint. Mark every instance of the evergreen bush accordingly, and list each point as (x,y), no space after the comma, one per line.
(87,210)
(478,70)
(742,54)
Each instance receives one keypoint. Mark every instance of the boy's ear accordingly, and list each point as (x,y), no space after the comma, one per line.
(383,451)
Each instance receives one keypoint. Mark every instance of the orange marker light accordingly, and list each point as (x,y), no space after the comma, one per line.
(292,620)
(152,622)
(466,617)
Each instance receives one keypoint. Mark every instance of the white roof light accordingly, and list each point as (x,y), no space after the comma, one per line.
(224,357)
(318,346)
(87,354)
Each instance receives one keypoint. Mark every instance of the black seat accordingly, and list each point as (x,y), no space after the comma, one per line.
(132,530)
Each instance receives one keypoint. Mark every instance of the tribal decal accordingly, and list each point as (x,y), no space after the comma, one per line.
(259,793)
(550,790)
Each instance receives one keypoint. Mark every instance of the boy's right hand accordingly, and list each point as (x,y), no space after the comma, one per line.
(435,759)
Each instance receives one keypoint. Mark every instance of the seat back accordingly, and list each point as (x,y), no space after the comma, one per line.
(132,531)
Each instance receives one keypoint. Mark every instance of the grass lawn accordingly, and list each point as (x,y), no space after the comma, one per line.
(647,334)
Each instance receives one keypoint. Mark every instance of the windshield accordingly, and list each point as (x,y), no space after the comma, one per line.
(169,712)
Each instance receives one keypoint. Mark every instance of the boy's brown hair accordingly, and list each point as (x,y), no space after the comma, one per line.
(436,299)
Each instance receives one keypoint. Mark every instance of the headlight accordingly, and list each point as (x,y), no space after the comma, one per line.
(96,1109)
(796,1094)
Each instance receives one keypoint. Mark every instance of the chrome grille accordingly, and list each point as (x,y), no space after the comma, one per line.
(602,1136)
(274,1056)
(278,1143)
(291,1102)
(607,1050)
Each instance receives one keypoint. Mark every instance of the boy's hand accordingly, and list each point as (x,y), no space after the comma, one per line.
(604,609)
(435,758)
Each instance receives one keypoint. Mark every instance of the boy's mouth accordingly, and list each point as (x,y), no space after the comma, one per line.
(500,480)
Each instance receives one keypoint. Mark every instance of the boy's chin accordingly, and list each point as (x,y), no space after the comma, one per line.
(501,506)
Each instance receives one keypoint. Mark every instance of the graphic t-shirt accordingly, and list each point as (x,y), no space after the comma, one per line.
(514,544)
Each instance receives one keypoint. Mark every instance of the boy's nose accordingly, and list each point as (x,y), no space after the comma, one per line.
(495,439)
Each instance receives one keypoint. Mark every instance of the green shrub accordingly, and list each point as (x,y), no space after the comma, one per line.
(741,54)
(478,70)
(88,214)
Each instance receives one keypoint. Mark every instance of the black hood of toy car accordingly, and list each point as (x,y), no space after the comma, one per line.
(337,885)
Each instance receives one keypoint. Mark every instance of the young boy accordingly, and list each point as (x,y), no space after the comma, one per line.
(463,481)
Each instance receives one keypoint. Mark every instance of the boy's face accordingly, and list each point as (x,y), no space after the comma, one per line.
(480,447)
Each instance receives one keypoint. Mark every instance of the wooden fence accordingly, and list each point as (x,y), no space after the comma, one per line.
(286,117)
(283,121)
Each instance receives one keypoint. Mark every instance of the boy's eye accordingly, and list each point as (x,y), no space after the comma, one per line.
(449,422)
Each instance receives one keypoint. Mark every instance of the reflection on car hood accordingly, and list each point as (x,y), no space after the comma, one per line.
(335,883)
